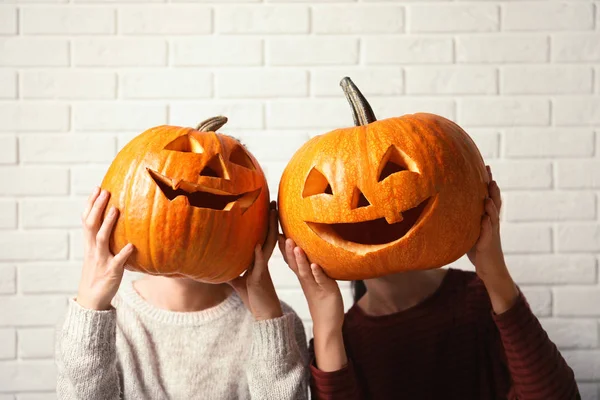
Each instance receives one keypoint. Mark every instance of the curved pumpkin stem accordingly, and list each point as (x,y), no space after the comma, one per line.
(361,109)
(212,124)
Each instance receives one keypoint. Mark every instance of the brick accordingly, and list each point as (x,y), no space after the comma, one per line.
(85,178)
(8,149)
(550,206)
(576,47)
(539,299)
(38,395)
(67,20)
(54,213)
(546,80)
(240,114)
(68,84)
(122,1)
(451,80)
(588,391)
(8,84)
(262,19)
(548,142)
(572,333)
(8,277)
(578,238)
(552,268)
(580,174)
(117,116)
(263,83)
(36,343)
(67,148)
(371,80)
(577,301)
(307,114)
(119,52)
(273,171)
(269,146)
(522,174)
(487,142)
(8,20)
(358,19)
(76,245)
(7,397)
(217,51)
(49,277)
(34,52)
(175,84)
(503,111)
(585,363)
(295,51)
(8,214)
(31,311)
(501,49)
(576,110)
(523,238)
(34,181)
(525,16)
(18,245)
(283,277)
(140,20)
(18,376)
(8,344)
(27,117)
(407,50)
(453,18)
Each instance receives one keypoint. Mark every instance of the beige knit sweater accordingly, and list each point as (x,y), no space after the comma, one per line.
(137,351)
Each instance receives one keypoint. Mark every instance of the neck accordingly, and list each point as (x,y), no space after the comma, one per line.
(181,294)
(399,292)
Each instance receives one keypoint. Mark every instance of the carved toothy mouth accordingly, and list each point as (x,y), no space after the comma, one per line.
(201,196)
(374,232)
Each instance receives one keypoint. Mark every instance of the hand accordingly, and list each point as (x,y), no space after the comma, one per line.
(487,255)
(255,287)
(324,303)
(102,272)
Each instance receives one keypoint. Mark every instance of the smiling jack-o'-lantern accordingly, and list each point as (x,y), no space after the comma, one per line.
(388,196)
(192,201)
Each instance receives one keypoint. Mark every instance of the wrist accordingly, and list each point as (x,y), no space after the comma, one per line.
(271,313)
(93,304)
(503,292)
(330,352)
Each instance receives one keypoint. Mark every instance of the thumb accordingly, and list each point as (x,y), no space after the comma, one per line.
(485,234)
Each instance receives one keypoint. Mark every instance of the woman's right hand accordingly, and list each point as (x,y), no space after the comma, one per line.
(324,303)
(102,272)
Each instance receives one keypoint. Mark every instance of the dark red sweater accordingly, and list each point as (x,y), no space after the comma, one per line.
(451,346)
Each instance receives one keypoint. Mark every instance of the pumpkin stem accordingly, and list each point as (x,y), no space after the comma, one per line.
(361,109)
(212,124)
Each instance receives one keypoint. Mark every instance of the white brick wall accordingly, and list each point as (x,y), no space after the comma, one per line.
(80,78)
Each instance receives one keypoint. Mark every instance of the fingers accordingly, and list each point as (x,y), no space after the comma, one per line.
(269,245)
(304,271)
(92,222)
(495,195)
(486,230)
(320,277)
(103,235)
(120,259)
(281,244)
(489,172)
(90,202)
(492,211)
(291,257)
(260,262)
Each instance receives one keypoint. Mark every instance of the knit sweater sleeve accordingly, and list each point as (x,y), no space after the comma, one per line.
(86,355)
(537,369)
(278,359)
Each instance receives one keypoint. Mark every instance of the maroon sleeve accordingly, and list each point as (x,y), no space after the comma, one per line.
(537,369)
(340,384)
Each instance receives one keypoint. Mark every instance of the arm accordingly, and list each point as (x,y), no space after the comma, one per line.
(86,354)
(278,359)
(332,374)
(537,369)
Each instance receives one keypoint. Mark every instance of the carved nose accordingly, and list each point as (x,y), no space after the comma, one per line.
(359,200)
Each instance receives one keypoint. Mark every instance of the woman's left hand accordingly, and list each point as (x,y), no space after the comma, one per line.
(487,255)
(255,286)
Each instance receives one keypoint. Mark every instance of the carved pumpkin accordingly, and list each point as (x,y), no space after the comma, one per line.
(404,193)
(192,201)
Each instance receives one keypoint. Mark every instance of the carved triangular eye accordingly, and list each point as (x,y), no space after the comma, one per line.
(186,144)
(393,161)
(215,168)
(316,183)
(240,157)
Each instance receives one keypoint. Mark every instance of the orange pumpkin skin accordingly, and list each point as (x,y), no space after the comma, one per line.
(424,213)
(218,209)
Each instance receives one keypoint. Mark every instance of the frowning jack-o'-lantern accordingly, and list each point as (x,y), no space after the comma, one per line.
(193,202)
(404,193)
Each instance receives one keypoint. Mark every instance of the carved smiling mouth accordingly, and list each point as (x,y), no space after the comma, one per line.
(373,232)
(201,196)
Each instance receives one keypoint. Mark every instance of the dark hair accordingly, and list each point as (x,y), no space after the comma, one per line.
(358,289)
